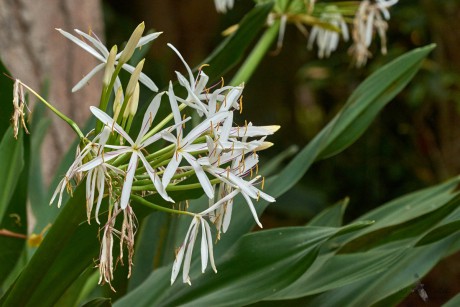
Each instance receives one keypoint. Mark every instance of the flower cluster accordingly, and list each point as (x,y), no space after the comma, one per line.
(329,24)
(167,154)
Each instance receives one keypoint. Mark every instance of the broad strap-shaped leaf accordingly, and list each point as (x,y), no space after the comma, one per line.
(355,117)
(55,266)
(13,198)
(407,216)
(331,217)
(269,261)
(6,88)
(453,302)
(401,275)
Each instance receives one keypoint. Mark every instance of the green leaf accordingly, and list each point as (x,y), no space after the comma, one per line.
(291,251)
(6,88)
(64,254)
(453,302)
(407,216)
(334,271)
(99,302)
(354,118)
(232,50)
(331,217)
(14,156)
(402,274)
(11,164)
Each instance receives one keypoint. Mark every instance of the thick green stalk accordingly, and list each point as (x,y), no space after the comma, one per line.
(71,123)
(146,203)
(257,54)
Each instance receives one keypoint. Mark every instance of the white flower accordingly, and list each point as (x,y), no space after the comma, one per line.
(327,40)
(184,253)
(368,18)
(223,5)
(185,145)
(135,149)
(101,53)
(195,88)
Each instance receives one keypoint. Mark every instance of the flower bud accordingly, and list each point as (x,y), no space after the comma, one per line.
(110,65)
(134,78)
(133,102)
(132,43)
(117,103)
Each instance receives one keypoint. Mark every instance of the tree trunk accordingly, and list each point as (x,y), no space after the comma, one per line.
(36,53)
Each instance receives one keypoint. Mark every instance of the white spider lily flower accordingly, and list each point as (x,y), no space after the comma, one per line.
(185,146)
(184,254)
(327,40)
(222,103)
(100,52)
(223,5)
(135,149)
(195,88)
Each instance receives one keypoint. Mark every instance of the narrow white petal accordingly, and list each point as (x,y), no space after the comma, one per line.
(148,38)
(171,169)
(149,116)
(127,185)
(100,189)
(227,216)
(83,45)
(155,179)
(188,254)
(174,106)
(180,254)
(204,247)
(177,263)
(253,210)
(192,79)
(96,43)
(204,180)
(210,246)
(103,158)
(107,120)
(87,77)
(205,126)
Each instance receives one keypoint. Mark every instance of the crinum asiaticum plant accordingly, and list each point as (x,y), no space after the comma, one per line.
(169,154)
(222,156)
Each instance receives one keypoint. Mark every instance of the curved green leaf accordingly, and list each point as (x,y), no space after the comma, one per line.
(14,156)
(270,260)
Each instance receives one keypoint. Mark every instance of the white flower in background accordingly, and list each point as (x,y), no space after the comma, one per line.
(327,40)
(184,254)
(136,147)
(223,5)
(370,18)
(100,52)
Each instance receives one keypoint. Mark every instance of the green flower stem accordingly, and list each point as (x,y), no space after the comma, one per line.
(257,54)
(71,123)
(146,203)
(171,188)
(106,96)
(145,179)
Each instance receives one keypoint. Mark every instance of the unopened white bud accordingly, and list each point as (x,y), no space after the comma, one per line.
(134,78)
(117,103)
(132,43)
(110,65)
